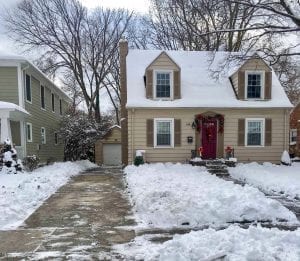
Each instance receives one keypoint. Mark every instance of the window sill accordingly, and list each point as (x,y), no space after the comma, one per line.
(30,102)
(164,147)
(162,99)
(254,146)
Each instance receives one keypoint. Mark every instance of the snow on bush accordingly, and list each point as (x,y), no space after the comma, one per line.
(22,193)
(167,195)
(270,178)
(285,158)
(233,243)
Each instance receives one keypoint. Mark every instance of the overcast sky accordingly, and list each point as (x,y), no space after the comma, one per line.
(7,46)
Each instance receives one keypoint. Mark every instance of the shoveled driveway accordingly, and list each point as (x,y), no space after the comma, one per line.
(80,222)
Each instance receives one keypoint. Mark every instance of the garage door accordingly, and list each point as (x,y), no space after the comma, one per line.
(112,154)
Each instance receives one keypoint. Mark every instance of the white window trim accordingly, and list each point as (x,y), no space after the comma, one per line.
(171,120)
(155,72)
(29,124)
(53,107)
(44,109)
(26,88)
(262,120)
(262,73)
(45,142)
(293,130)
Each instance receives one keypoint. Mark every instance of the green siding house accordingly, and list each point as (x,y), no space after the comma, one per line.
(30,109)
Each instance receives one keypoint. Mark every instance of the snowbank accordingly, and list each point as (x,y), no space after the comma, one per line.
(270,178)
(168,195)
(21,194)
(233,243)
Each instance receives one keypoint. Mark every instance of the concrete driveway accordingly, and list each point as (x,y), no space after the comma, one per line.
(81,221)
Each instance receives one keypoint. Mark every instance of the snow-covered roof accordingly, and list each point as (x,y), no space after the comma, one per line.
(21,59)
(198,86)
(12,107)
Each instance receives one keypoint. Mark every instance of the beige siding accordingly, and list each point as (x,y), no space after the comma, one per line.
(137,134)
(9,84)
(44,118)
(251,65)
(114,136)
(163,62)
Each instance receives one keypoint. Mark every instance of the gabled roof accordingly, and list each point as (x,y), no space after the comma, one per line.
(163,53)
(109,131)
(240,62)
(6,57)
(198,86)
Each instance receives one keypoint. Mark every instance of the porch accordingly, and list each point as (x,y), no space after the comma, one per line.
(12,126)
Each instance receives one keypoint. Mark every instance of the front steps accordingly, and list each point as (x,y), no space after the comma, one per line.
(216,167)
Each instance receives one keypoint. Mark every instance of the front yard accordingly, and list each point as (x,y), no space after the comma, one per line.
(175,196)
(278,179)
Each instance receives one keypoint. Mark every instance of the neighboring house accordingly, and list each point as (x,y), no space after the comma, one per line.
(30,109)
(171,105)
(295,131)
(108,149)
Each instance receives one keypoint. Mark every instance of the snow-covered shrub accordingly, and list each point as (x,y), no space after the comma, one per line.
(9,160)
(31,162)
(80,132)
(285,158)
(138,160)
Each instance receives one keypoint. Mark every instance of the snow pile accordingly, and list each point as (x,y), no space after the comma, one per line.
(168,195)
(233,243)
(22,193)
(285,158)
(270,178)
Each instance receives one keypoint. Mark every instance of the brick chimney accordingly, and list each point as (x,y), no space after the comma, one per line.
(123,47)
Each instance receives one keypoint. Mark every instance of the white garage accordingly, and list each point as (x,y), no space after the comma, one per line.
(112,154)
(108,150)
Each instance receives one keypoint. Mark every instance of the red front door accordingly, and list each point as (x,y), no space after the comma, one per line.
(209,138)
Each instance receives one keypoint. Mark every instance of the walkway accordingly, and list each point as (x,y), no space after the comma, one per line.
(80,222)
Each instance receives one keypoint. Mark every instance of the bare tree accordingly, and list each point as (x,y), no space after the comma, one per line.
(71,40)
(187,25)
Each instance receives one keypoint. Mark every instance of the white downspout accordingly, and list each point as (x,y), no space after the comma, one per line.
(285,129)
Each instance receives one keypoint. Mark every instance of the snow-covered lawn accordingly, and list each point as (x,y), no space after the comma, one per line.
(233,243)
(270,178)
(169,195)
(21,194)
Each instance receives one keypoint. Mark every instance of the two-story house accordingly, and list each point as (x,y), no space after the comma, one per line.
(172,105)
(31,107)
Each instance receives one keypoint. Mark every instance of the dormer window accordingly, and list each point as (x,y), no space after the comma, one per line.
(163,84)
(254,85)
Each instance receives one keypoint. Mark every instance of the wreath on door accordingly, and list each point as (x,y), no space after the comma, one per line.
(200,119)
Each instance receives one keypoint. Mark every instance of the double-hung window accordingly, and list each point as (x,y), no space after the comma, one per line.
(53,102)
(28,88)
(255,132)
(163,84)
(29,132)
(60,107)
(254,85)
(43,105)
(164,132)
(55,138)
(293,135)
(43,135)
